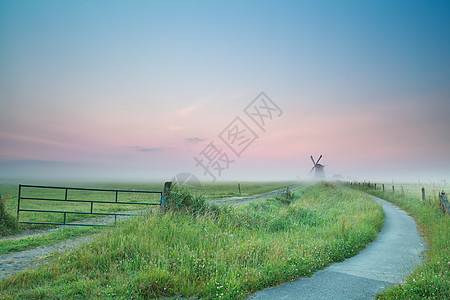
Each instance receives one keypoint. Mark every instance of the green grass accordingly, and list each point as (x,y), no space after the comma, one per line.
(8,224)
(198,250)
(10,192)
(430,281)
(20,244)
(12,245)
(414,190)
(230,189)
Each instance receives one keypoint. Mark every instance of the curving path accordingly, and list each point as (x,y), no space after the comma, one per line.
(385,262)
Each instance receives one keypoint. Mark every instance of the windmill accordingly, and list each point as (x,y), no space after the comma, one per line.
(318,169)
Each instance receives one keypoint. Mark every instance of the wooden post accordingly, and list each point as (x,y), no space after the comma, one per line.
(423,194)
(383,187)
(393,190)
(239,188)
(375,186)
(164,196)
(444,202)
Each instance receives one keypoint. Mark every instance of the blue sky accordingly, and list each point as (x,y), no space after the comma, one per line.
(138,88)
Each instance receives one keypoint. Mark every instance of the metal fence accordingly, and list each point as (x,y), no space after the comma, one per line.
(114,198)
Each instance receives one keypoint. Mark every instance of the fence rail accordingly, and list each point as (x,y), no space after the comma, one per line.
(66,199)
(445,206)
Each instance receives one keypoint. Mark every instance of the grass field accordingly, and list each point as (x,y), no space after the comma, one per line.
(414,190)
(430,281)
(228,189)
(9,192)
(209,251)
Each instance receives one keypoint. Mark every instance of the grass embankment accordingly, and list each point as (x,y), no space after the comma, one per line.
(207,251)
(431,280)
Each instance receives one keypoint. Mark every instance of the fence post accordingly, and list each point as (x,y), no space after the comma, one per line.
(239,188)
(444,202)
(383,187)
(423,194)
(393,190)
(375,186)
(18,201)
(164,196)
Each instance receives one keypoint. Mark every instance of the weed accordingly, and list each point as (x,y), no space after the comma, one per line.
(182,200)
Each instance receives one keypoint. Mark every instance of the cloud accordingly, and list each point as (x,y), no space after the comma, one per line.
(186,111)
(35,140)
(194,140)
(149,149)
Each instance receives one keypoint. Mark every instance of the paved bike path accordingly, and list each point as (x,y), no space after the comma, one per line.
(385,262)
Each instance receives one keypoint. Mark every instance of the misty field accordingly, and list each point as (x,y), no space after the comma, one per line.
(414,190)
(202,250)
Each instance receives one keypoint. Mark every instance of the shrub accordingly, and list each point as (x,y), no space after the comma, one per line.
(183,200)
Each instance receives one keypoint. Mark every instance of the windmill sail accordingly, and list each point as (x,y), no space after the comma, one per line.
(317,168)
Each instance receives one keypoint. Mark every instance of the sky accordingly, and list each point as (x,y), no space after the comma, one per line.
(224,90)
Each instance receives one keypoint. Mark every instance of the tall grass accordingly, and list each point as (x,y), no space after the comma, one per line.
(210,252)
(8,223)
(21,244)
(430,281)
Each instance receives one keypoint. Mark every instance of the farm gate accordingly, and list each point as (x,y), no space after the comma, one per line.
(71,202)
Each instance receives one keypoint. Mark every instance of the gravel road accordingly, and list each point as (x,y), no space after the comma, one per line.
(15,262)
(257,197)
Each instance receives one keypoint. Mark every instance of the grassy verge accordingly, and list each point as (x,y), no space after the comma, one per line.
(430,281)
(20,244)
(198,250)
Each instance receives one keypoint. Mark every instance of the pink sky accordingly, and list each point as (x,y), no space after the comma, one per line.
(375,141)
(139,91)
